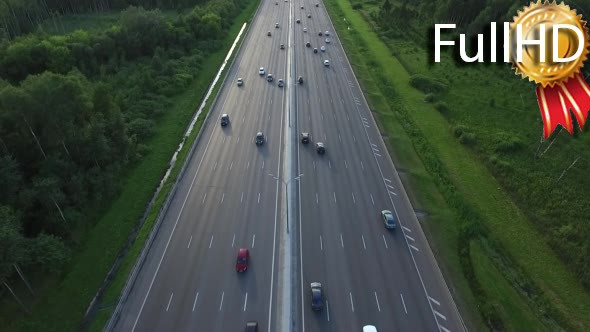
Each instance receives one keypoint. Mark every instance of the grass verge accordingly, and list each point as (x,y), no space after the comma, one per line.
(473,207)
(63,305)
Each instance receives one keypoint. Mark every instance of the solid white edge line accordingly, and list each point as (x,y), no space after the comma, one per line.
(221,303)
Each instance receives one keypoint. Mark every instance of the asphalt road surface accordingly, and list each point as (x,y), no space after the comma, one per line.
(230,198)
(370,275)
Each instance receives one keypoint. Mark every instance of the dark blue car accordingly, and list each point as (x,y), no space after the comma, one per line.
(317,298)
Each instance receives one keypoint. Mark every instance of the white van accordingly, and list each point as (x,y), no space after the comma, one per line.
(369,328)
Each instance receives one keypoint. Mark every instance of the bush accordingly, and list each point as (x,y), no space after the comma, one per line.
(428,84)
(504,142)
(441,106)
(357,6)
(430,98)
(458,130)
(467,139)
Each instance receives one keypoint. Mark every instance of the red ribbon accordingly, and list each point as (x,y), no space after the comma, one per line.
(557,101)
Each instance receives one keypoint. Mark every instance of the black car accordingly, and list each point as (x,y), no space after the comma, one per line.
(300,80)
(308,44)
(315,50)
(224,120)
(320,33)
(308,15)
(320,148)
(305,138)
(282,46)
(317,298)
(298,21)
(259,138)
(252,326)
(317,4)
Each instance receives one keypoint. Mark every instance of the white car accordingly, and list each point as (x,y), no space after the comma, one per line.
(369,328)
(276,25)
(327,40)
(240,81)
(323,48)
(326,63)
(261,71)
(304,29)
(327,33)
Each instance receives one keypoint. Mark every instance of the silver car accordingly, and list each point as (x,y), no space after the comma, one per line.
(388,219)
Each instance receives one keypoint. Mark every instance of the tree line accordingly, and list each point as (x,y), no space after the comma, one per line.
(23,16)
(471,15)
(76,110)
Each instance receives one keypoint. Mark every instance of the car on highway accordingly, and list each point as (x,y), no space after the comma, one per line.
(305,138)
(242,260)
(269,77)
(298,21)
(315,50)
(282,46)
(388,219)
(308,15)
(317,297)
(240,81)
(320,33)
(323,48)
(317,4)
(300,80)
(327,33)
(301,7)
(252,326)
(320,148)
(327,40)
(259,140)
(281,83)
(369,328)
(268,33)
(304,29)
(224,120)
(261,71)
(276,25)
(308,44)
(327,63)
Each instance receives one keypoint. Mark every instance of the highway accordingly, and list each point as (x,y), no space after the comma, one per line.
(370,275)
(230,197)
(226,201)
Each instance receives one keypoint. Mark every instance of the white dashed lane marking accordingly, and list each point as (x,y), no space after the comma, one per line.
(195,303)
(169,301)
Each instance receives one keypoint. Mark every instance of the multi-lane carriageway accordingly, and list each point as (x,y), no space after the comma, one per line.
(232,195)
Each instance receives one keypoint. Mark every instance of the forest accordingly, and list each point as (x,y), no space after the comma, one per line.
(76,111)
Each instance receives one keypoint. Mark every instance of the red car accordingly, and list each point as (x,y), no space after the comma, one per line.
(242,261)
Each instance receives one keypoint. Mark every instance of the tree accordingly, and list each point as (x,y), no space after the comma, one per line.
(12,242)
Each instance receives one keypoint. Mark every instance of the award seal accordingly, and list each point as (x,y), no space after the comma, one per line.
(561,87)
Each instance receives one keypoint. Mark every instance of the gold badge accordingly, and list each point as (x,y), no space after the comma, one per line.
(531,19)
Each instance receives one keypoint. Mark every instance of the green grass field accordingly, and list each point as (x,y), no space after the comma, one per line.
(64,301)
(462,178)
